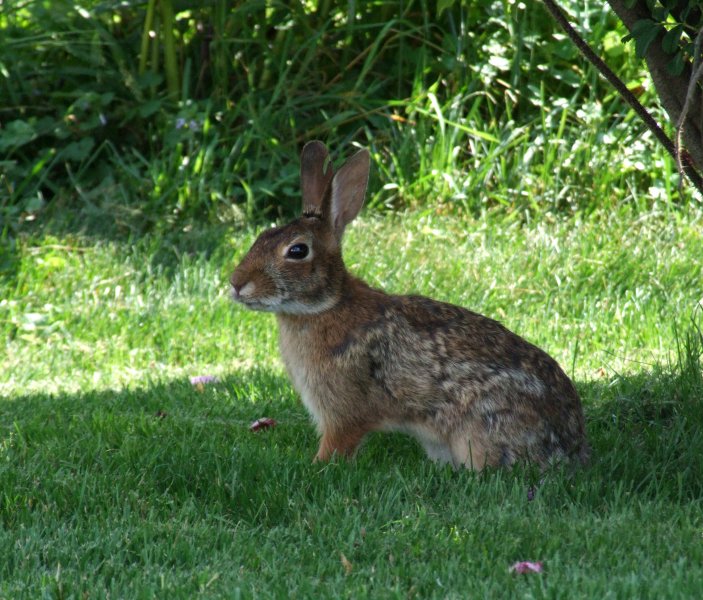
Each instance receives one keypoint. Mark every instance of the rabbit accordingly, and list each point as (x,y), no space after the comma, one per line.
(469,390)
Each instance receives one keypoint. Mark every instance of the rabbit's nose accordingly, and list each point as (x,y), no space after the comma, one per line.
(241,287)
(235,282)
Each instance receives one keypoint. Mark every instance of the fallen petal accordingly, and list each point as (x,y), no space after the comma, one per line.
(263,423)
(203,379)
(526,567)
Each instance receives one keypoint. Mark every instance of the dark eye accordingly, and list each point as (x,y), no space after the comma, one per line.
(297,251)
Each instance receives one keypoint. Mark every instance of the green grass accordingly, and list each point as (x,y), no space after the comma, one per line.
(118,478)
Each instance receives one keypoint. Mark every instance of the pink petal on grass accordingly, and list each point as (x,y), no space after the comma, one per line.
(261,424)
(526,566)
(203,379)
(200,381)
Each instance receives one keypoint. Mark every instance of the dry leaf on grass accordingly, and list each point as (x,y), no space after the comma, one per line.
(261,424)
(346,564)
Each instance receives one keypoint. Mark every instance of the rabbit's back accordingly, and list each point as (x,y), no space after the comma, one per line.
(470,378)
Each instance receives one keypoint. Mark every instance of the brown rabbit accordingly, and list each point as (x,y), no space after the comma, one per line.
(471,391)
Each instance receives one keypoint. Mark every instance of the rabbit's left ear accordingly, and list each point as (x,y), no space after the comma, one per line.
(348,191)
(315,175)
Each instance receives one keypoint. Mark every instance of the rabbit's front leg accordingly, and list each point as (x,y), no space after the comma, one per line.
(342,442)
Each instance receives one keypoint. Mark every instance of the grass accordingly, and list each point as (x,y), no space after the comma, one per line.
(119,478)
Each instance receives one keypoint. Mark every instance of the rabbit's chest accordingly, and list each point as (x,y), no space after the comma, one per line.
(308,371)
(302,379)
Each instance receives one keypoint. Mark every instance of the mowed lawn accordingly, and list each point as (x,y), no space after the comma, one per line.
(120,478)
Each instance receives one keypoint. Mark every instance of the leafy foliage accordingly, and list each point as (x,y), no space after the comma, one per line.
(678,21)
(461,109)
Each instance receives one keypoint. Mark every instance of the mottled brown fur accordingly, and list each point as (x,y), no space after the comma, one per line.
(471,391)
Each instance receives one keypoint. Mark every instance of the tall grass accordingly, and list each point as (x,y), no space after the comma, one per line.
(484,105)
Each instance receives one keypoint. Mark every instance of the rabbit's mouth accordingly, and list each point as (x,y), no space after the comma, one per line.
(260,304)
(285,306)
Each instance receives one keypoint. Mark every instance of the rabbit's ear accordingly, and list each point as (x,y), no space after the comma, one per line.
(348,191)
(315,175)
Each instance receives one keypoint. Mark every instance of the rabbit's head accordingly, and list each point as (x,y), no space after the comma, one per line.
(298,268)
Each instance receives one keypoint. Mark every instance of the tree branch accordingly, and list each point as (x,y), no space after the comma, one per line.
(671,89)
(690,94)
(688,164)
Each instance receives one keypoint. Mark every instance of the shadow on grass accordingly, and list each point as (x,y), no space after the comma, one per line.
(647,434)
(167,445)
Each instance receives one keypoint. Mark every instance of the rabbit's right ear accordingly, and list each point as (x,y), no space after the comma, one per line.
(348,191)
(315,175)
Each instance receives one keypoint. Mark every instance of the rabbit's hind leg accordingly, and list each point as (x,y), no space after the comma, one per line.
(468,450)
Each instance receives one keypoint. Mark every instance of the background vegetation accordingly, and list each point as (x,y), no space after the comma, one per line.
(158,117)
(507,178)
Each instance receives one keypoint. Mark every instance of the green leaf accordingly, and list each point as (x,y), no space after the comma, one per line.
(660,14)
(443,5)
(644,33)
(106,98)
(149,79)
(16,134)
(670,42)
(149,108)
(675,65)
(34,204)
(612,44)
(78,151)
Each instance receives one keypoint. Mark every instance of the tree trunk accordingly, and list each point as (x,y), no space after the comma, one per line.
(672,89)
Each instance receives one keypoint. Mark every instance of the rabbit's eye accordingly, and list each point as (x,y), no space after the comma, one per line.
(297,251)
